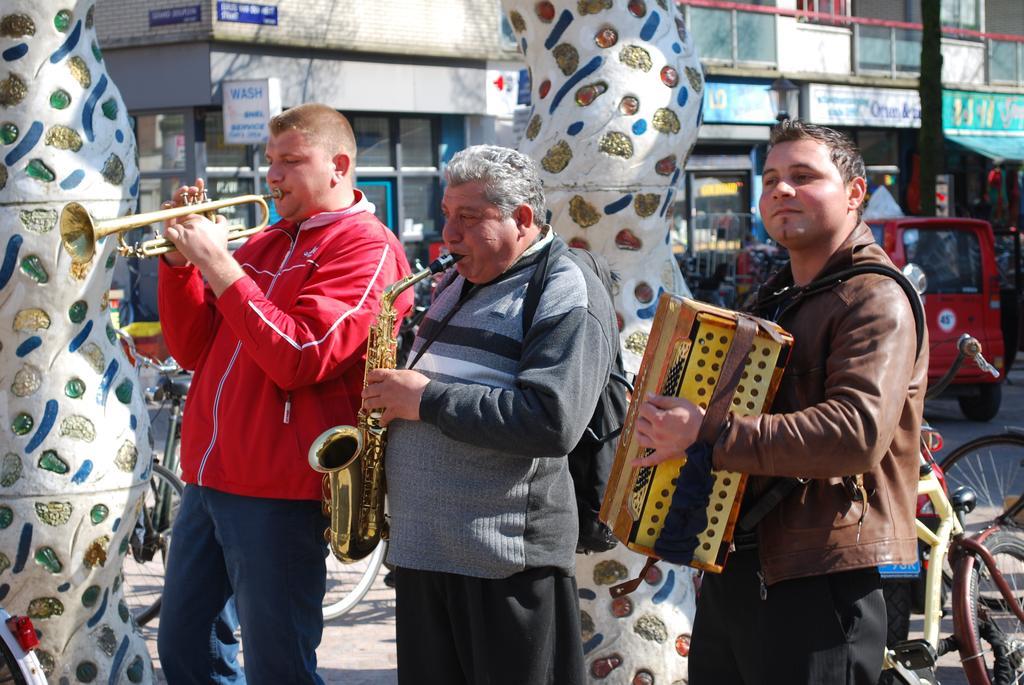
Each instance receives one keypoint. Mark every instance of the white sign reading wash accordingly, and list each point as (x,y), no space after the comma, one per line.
(853,106)
(248,107)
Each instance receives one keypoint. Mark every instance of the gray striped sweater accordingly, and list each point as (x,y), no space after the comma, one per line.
(480,486)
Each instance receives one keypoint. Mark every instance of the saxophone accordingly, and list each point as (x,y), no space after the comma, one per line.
(352,457)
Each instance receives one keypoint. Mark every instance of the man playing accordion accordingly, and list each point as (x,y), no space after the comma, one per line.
(800,599)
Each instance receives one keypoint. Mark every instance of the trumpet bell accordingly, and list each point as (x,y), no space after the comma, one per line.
(77,232)
(335,449)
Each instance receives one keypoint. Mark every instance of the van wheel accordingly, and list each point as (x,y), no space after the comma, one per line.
(985,405)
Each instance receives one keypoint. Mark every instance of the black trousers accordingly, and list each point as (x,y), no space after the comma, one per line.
(820,630)
(458,630)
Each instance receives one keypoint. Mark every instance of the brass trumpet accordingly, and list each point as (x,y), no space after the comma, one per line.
(79,231)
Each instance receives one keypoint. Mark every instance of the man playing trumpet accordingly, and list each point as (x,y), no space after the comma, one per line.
(276,334)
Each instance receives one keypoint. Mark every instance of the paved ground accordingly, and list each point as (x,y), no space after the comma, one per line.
(359,648)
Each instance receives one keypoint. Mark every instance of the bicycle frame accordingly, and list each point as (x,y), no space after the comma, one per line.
(939,544)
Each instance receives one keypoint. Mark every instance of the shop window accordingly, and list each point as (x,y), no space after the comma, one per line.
(161,141)
(419,207)
(417,140)
(373,141)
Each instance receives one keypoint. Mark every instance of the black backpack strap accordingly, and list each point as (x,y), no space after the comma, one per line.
(535,287)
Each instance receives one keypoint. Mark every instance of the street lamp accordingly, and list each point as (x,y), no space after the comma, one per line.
(785,98)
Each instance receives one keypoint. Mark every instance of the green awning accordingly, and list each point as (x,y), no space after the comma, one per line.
(995,147)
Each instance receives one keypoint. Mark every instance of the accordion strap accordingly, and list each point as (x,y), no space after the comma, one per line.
(714,417)
(728,379)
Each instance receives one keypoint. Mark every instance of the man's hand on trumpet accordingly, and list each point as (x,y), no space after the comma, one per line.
(200,241)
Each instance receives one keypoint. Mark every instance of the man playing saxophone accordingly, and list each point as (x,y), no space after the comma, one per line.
(276,334)
(483,516)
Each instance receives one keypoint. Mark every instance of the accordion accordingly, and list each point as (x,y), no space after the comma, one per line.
(718,359)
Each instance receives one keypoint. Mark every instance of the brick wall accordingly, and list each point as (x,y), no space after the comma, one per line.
(442,28)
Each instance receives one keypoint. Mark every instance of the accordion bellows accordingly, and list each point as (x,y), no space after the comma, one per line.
(684,357)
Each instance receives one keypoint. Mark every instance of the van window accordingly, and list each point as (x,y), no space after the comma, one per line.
(951,259)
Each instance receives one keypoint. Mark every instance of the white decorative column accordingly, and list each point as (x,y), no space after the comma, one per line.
(74,446)
(617,89)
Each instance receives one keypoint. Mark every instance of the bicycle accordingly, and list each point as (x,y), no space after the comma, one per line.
(347,584)
(985,606)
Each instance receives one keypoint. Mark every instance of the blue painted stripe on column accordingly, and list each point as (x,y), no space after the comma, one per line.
(683,96)
(45,425)
(665,590)
(564,19)
(83,472)
(29,345)
(618,205)
(69,44)
(73,179)
(17,52)
(10,259)
(99,612)
(115,667)
(32,136)
(584,72)
(24,544)
(108,377)
(650,26)
(90,107)
(81,337)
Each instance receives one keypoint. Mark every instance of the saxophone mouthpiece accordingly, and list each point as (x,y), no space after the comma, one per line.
(444,262)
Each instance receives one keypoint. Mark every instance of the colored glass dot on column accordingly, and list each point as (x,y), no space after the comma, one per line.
(96,52)
(47,558)
(91,594)
(39,171)
(110,261)
(22,424)
(8,133)
(109,108)
(77,311)
(6,516)
(74,388)
(86,672)
(49,461)
(124,391)
(34,269)
(111,335)
(59,99)
(62,20)
(99,513)
(136,670)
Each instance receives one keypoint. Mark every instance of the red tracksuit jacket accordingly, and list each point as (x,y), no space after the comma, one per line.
(279,357)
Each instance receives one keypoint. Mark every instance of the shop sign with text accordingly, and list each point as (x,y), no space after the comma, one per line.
(854,106)
(972,112)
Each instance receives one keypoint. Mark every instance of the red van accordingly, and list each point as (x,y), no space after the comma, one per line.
(962,296)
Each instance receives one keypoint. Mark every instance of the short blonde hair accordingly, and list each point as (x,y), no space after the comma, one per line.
(322,126)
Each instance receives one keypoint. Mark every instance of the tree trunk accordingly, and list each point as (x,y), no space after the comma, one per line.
(930,138)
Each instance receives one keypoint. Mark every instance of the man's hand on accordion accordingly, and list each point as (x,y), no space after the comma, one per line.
(668,425)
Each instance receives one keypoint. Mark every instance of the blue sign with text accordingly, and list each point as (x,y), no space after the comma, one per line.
(247,13)
(738,102)
(175,15)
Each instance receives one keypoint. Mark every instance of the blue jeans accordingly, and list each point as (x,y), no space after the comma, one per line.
(247,561)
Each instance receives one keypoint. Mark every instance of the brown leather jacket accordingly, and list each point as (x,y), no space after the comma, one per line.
(850,402)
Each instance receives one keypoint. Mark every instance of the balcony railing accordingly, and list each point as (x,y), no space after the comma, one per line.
(745,33)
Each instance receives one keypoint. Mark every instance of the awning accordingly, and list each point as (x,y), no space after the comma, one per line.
(998,148)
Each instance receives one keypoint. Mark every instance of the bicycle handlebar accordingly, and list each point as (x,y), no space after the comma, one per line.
(968,347)
(167,367)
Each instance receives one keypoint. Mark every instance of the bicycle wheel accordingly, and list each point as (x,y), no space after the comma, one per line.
(347,584)
(144,565)
(993,467)
(990,634)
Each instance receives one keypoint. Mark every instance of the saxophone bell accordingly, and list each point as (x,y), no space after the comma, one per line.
(335,449)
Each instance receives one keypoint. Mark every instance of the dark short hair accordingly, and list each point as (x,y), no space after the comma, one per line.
(843,152)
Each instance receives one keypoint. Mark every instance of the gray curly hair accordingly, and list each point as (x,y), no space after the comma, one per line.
(509,178)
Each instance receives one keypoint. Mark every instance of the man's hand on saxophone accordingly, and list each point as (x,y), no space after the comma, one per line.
(396,392)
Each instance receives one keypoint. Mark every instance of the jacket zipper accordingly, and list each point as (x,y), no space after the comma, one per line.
(231,364)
